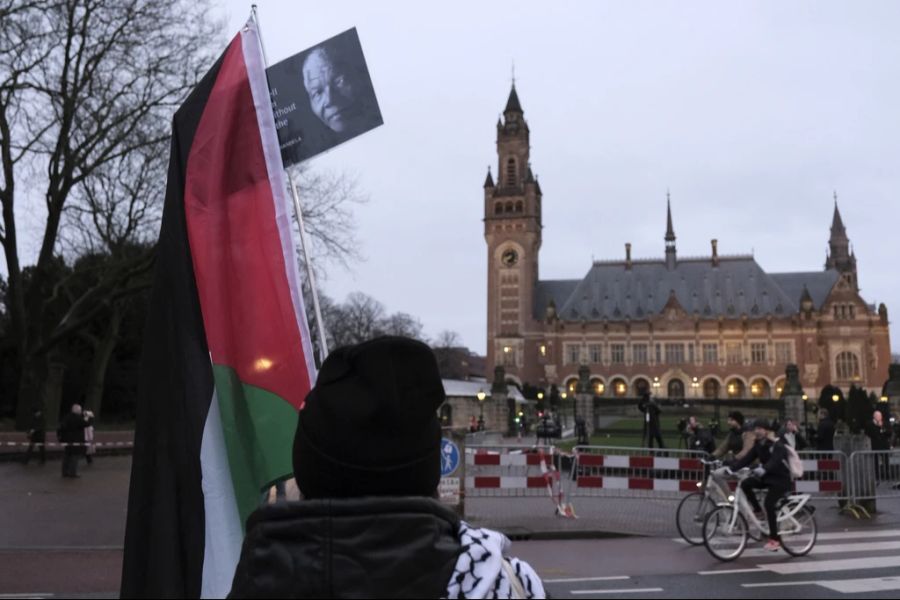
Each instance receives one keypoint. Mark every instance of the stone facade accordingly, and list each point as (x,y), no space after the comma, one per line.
(717,326)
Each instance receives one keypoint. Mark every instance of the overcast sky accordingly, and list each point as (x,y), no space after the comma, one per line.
(751,113)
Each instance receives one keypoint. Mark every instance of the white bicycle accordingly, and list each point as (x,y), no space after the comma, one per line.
(726,529)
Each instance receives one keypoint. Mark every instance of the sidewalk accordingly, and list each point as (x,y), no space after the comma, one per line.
(14,444)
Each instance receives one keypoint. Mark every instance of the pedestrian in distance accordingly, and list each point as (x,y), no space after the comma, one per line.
(367,461)
(37,437)
(90,448)
(791,434)
(71,433)
(650,407)
(825,432)
(880,436)
(699,437)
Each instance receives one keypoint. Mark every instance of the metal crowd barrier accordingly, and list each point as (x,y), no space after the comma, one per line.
(824,474)
(875,474)
(607,471)
(502,471)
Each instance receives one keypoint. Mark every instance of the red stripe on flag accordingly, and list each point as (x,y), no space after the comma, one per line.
(487,459)
(641,462)
(245,298)
(590,460)
(637,483)
(487,482)
(590,482)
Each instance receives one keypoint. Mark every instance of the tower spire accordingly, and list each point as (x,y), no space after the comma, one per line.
(670,234)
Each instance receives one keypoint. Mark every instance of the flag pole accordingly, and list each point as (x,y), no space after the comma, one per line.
(298,211)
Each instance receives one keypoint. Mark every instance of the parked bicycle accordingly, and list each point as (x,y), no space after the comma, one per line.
(727,527)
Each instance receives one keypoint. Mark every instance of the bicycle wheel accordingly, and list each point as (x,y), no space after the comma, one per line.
(689,517)
(798,532)
(723,540)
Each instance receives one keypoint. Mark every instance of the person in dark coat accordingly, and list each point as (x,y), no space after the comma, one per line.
(880,435)
(739,440)
(699,437)
(368,458)
(651,411)
(825,432)
(37,437)
(771,474)
(71,433)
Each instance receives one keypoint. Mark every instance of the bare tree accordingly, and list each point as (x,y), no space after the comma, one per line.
(329,200)
(85,87)
(452,357)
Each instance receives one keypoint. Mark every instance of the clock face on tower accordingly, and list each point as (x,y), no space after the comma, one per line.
(509,258)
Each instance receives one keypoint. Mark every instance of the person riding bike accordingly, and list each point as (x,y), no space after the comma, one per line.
(739,440)
(772,474)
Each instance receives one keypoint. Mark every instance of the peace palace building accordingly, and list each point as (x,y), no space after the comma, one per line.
(715,327)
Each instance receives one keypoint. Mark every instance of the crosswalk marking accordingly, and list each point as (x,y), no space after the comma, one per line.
(729,571)
(840,535)
(844,586)
(583,579)
(830,549)
(624,591)
(846,564)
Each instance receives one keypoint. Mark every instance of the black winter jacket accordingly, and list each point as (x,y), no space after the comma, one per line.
(773,458)
(348,548)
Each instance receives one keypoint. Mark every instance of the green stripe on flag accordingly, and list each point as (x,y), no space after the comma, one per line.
(259,429)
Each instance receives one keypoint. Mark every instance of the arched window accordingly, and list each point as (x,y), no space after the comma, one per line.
(759,388)
(511,172)
(711,388)
(519,206)
(498,208)
(619,387)
(640,386)
(676,388)
(735,388)
(509,207)
(847,366)
(597,386)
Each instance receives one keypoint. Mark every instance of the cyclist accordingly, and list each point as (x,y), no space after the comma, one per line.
(739,441)
(772,474)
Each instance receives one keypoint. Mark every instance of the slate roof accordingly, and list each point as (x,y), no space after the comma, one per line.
(738,285)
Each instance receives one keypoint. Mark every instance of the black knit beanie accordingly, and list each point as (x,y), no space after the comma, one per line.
(369,427)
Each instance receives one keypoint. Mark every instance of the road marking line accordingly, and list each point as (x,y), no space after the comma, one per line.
(846,564)
(857,586)
(625,591)
(832,549)
(779,584)
(730,571)
(580,579)
(844,535)
(837,535)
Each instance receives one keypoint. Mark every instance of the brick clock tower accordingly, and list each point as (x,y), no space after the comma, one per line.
(512,230)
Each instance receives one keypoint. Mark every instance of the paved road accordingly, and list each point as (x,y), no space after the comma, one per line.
(842,563)
(64,537)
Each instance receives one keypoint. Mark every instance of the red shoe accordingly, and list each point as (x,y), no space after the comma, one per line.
(772,546)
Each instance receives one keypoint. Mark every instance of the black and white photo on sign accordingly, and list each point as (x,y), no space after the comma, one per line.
(322,97)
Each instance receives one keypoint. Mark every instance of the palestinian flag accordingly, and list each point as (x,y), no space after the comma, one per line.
(227,359)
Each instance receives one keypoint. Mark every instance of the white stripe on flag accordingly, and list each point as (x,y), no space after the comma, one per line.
(256,72)
(224,534)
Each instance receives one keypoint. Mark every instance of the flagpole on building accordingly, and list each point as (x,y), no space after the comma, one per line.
(298,211)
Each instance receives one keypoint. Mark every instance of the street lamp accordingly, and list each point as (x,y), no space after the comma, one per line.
(481,396)
(563,397)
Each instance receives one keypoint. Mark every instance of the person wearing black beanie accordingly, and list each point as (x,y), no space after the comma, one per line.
(367,462)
